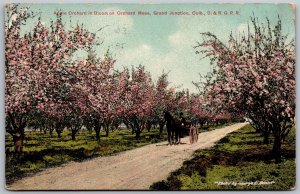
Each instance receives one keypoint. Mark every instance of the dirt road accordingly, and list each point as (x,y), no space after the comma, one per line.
(129,170)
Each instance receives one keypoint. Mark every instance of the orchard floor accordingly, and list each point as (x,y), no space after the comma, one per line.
(135,169)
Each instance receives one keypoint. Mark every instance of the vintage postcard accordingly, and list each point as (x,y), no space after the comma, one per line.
(150,96)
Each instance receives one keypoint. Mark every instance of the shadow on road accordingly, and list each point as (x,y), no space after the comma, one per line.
(167,144)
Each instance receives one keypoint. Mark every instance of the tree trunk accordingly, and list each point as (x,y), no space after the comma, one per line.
(148,126)
(266,139)
(257,130)
(18,140)
(106,128)
(161,128)
(137,133)
(201,125)
(277,148)
(107,132)
(135,129)
(266,136)
(16,127)
(97,130)
(58,132)
(51,132)
(74,134)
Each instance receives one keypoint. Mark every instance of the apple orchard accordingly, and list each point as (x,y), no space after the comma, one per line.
(253,77)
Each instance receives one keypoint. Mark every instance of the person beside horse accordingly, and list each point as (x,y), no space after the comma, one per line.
(177,128)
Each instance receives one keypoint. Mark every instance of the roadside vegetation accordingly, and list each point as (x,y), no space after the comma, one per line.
(239,161)
(41,150)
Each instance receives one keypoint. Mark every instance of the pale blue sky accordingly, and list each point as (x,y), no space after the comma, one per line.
(164,42)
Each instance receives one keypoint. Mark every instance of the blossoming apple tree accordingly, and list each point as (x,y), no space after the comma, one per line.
(99,92)
(138,100)
(36,76)
(255,75)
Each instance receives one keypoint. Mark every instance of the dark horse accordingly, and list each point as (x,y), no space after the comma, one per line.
(173,128)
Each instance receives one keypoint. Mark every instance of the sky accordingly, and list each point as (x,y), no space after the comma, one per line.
(165,42)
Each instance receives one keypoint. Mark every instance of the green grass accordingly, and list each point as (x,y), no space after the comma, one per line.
(41,151)
(239,161)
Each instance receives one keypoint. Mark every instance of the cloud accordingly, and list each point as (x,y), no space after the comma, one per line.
(178,38)
(144,54)
(179,59)
(177,62)
(137,55)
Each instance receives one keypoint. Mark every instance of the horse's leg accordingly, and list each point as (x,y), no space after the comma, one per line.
(179,134)
(194,136)
(180,131)
(173,136)
(176,135)
(169,136)
(191,136)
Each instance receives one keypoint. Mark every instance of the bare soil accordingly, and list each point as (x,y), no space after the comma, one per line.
(135,169)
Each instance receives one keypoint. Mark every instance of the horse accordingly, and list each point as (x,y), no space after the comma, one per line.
(170,123)
(175,128)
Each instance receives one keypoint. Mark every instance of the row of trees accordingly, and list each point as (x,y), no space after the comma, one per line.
(47,89)
(254,74)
